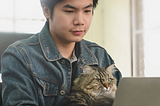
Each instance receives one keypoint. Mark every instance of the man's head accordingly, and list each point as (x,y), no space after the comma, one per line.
(51,4)
(70,19)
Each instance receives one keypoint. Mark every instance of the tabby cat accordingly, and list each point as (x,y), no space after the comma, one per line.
(96,86)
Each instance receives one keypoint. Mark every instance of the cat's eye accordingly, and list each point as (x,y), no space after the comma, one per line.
(109,80)
(98,80)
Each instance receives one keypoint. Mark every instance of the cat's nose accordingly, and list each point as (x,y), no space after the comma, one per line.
(106,84)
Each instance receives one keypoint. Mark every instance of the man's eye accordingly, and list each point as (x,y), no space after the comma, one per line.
(87,11)
(69,11)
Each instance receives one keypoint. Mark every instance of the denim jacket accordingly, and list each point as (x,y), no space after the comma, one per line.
(34,73)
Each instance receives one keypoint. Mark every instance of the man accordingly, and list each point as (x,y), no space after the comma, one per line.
(39,71)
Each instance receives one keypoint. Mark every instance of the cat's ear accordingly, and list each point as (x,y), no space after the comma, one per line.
(86,69)
(110,68)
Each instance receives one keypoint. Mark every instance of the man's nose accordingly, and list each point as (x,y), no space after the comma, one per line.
(79,19)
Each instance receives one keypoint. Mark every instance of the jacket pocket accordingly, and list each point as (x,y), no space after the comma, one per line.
(49,89)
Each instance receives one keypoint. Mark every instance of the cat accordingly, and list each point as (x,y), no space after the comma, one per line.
(96,86)
(103,101)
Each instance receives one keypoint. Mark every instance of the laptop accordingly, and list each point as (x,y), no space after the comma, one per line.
(138,91)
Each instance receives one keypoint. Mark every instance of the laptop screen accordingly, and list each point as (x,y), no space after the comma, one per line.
(138,91)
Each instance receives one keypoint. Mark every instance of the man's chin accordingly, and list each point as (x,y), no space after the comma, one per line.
(77,40)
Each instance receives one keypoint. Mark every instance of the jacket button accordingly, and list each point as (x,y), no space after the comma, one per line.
(62,61)
(62,92)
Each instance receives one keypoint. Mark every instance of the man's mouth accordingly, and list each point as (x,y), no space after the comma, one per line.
(77,32)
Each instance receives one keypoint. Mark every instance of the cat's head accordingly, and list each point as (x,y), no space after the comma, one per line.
(96,81)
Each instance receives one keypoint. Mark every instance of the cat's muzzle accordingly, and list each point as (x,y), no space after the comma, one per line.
(106,89)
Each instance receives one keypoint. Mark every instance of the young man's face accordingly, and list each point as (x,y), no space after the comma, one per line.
(71,20)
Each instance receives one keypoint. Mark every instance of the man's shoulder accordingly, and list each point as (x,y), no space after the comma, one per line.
(32,40)
(90,44)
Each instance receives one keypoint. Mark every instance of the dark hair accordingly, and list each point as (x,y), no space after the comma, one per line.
(51,4)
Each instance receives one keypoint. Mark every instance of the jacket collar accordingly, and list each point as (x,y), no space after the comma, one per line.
(51,52)
(47,44)
(87,55)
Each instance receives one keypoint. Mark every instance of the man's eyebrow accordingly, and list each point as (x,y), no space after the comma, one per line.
(90,5)
(69,6)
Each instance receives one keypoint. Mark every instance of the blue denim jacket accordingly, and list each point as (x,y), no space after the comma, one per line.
(35,73)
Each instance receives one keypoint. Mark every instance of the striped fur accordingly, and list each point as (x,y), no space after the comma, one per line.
(93,86)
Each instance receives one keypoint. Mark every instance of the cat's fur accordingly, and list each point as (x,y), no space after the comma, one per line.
(96,86)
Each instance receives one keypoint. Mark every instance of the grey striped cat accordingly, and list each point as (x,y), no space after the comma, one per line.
(96,86)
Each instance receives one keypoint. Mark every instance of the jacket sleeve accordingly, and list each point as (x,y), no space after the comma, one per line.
(116,72)
(18,84)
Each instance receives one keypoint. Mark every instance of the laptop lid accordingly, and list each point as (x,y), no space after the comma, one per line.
(138,91)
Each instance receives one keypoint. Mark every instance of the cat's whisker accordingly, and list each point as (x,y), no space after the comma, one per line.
(108,88)
(105,88)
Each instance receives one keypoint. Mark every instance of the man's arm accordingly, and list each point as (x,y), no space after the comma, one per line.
(18,85)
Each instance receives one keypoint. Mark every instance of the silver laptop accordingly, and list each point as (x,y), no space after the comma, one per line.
(138,91)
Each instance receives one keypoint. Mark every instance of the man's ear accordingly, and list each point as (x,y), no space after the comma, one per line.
(46,11)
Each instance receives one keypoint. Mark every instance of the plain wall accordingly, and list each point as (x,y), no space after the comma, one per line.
(110,28)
